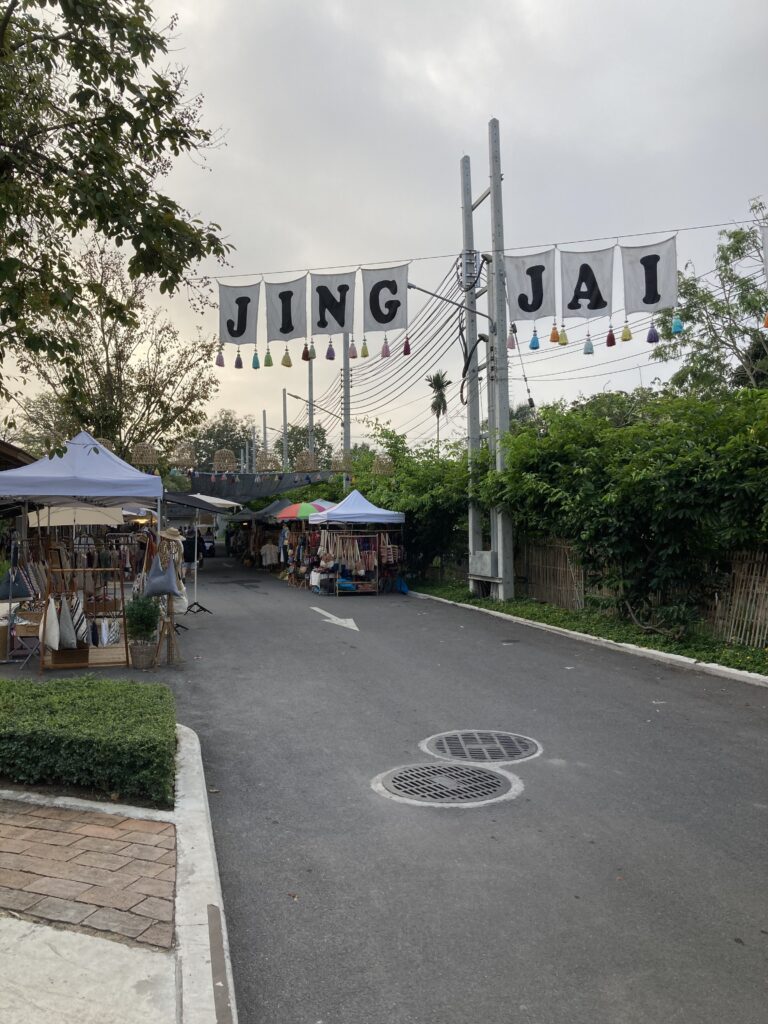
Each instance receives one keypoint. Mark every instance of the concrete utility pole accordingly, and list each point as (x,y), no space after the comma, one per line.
(497,302)
(346,424)
(285,429)
(470,271)
(310,409)
(264,429)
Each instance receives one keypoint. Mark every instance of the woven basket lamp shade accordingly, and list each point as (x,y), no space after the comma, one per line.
(105,444)
(224,460)
(341,463)
(383,465)
(144,455)
(305,462)
(184,454)
(266,462)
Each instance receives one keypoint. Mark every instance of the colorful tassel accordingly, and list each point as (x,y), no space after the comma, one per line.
(255,361)
(626,334)
(238,360)
(352,349)
(406,346)
(385,349)
(220,356)
(330,354)
(268,358)
(305,353)
(589,348)
(562,338)
(511,340)
(653,334)
(534,342)
(312,353)
(554,336)
(364,349)
(610,338)
(286,360)
(677,325)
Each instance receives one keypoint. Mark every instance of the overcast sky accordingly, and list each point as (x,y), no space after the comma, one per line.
(345,123)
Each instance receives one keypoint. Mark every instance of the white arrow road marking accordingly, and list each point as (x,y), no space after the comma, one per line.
(335,621)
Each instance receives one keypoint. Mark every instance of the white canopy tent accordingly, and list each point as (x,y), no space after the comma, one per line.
(356,509)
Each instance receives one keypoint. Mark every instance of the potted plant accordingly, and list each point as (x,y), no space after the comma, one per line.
(142,615)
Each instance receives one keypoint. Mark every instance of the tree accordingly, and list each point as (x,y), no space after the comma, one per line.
(723,343)
(224,430)
(125,384)
(439,384)
(298,442)
(88,124)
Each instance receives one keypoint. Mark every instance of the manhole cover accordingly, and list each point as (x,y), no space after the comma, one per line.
(481,745)
(444,785)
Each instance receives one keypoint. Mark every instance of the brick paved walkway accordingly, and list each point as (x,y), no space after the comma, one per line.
(93,872)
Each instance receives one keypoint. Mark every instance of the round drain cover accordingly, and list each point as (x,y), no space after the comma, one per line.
(481,745)
(447,784)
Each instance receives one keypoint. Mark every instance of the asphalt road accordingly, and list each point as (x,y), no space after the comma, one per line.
(625,885)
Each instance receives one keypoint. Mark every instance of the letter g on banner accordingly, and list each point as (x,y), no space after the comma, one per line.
(385,299)
(238,313)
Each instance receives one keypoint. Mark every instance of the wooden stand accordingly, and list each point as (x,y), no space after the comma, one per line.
(62,582)
(168,633)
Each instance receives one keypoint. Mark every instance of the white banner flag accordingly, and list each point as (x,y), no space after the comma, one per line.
(333,303)
(531,285)
(238,313)
(650,276)
(287,310)
(764,233)
(385,302)
(587,279)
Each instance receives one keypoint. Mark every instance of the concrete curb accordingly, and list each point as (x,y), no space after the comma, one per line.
(677,660)
(204,969)
(205,991)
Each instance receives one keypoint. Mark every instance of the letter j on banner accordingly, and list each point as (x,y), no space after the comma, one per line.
(238,313)
(385,299)
(531,285)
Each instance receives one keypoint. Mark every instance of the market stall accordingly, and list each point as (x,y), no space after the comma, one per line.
(78,606)
(296,545)
(360,548)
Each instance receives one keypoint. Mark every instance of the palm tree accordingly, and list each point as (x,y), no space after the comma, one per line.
(439,406)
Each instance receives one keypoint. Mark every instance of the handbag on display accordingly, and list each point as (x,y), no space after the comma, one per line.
(67,635)
(49,627)
(160,581)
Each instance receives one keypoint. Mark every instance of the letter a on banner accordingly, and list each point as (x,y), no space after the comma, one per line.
(287,310)
(587,279)
(238,313)
(650,276)
(333,303)
(531,285)
(385,302)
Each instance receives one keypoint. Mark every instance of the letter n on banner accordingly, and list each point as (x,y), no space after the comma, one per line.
(531,285)
(650,276)
(385,299)
(238,313)
(287,310)
(333,303)
(587,280)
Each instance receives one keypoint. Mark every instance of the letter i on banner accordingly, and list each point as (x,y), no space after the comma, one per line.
(385,299)
(238,314)
(287,310)
(650,276)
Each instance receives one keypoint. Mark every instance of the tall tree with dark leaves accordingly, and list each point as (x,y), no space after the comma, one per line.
(439,384)
(90,120)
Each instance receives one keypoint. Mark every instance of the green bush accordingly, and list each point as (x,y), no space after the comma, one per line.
(115,737)
(142,615)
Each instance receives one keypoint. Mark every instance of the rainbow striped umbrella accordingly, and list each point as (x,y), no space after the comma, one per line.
(304,509)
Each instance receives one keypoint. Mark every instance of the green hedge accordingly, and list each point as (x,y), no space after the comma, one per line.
(115,737)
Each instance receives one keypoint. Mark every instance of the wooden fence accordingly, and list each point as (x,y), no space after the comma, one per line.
(550,571)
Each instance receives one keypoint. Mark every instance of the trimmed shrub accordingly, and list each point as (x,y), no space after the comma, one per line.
(115,737)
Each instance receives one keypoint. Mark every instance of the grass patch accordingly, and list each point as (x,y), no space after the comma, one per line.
(117,738)
(700,645)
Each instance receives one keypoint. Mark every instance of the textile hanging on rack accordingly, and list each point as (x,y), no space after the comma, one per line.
(79,622)
(67,635)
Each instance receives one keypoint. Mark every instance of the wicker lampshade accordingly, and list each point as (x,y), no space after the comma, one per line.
(305,462)
(224,460)
(341,463)
(105,443)
(184,454)
(144,455)
(383,465)
(266,462)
